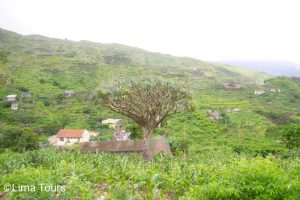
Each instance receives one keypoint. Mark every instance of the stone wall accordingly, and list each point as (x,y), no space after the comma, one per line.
(124,146)
(113,146)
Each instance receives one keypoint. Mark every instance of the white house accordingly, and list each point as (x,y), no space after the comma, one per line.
(68,136)
(259,92)
(112,123)
(274,90)
(11,98)
(14,106)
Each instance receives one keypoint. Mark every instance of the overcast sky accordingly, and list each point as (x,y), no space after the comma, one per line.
(203,29)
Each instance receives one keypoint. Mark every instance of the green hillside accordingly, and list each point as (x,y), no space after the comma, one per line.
(246,133)
(46,67)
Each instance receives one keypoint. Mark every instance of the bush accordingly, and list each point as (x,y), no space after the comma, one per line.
(47,102)
(6,104)
(86,110)
(42,81)
(23,89)
(56,83)
(247,179)
(291,136)
(18,139)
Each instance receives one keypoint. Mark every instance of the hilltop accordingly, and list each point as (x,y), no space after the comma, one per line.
(98,55)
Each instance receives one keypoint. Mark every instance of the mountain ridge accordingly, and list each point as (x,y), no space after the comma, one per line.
(117,54)
(274,67)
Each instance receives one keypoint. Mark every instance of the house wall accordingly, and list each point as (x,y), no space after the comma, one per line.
(86,136)
(14,107)
(11,99)
(70,141)
(125,146)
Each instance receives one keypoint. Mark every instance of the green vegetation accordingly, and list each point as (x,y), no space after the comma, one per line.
(248,151)
(18,139)
(291,136)
(206,176)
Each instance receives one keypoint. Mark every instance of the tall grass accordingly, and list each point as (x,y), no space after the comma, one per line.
(123,176)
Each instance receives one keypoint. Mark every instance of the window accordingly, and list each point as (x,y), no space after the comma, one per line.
(61,139)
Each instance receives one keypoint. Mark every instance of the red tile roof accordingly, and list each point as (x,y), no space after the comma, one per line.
(67,133)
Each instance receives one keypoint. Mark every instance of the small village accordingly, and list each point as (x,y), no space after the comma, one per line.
(67,137)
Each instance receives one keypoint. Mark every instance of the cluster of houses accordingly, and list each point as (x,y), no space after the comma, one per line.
(215,115)
(66,137)
(237,85)
(13,98)
(260,92)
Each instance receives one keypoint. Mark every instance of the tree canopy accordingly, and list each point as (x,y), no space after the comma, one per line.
(146,100)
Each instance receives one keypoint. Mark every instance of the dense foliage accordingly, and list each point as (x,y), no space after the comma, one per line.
(291,136)
(207,176)
(18,139)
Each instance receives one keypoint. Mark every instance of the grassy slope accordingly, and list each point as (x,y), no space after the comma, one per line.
(47,67)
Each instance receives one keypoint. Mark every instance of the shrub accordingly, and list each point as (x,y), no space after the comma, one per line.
(247,179)
(291,136)
(23,89)
(18,139)
(42,81)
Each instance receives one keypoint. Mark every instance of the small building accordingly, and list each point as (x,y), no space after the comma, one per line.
(259,92)
(233,110)
(14,106)
(69,93)
(274,90)
(236,110)
(11,98)
(112,123)
(71,136)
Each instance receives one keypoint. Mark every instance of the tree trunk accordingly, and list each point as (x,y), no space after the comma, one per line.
(147,143)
